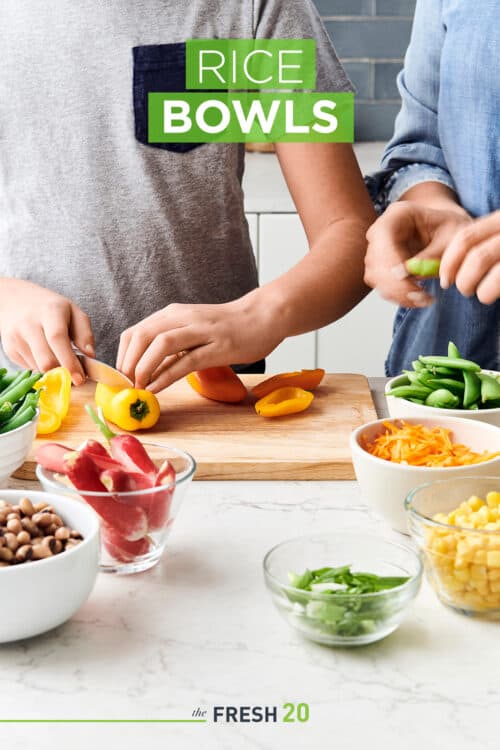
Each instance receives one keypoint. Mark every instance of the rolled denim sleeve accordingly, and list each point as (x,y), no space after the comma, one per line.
(414,154)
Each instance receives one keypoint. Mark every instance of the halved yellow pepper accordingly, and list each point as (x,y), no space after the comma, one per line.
(284,401)
(128,408)
(55,396)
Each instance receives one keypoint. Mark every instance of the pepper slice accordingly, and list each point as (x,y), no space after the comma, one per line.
(55,396)
(284,401)
(306,379)
(218,384)
(128,408)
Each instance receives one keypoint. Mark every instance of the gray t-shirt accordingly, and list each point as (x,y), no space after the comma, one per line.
(120,227)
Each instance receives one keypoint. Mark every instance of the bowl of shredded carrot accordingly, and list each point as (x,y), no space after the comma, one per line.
(393,456)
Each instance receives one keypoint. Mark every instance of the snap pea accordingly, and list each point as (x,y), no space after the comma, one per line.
(454,364)
(442,399)
(20,389)
(453,352)
(423,266)
(455,386)
(446,371)
(410,391)
(22,417)
(416,401)
(15,378)
(490,388)
(417,366)
(472,389)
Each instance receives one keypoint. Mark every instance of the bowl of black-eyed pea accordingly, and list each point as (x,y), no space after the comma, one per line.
(49,557)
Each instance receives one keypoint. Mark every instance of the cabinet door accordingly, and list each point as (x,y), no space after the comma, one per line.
(282,243)
(360,341)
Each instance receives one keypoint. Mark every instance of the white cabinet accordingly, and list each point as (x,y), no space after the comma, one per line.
(282,243)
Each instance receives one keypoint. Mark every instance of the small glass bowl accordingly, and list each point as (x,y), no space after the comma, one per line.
(343,619)
(142,547)
(461,564)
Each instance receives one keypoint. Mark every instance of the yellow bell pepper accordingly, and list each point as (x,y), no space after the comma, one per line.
(55,396)
(284,401)
(128,408)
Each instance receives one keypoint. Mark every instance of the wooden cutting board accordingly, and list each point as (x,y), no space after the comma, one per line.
(233,442)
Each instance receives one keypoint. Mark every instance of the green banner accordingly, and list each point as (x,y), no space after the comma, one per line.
(250,64)
(238,117)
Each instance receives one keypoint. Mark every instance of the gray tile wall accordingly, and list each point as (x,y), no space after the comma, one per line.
(371,37)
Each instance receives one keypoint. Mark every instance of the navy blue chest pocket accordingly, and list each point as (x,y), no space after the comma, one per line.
(158,68)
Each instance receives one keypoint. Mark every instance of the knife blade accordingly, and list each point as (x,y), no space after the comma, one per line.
(100,372)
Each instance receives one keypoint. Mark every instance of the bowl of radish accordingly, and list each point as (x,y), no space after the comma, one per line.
(136,488)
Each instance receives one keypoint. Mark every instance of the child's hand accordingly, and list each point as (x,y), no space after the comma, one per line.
(37,327)
(407,230)
(472,260)
(179,339)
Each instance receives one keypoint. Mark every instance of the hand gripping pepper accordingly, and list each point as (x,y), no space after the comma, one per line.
(128,408)
(284,401)
(55,395)
(306,379)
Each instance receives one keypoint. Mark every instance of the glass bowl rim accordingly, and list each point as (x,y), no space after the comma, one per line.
(180,478)
(412,511)
(317,596)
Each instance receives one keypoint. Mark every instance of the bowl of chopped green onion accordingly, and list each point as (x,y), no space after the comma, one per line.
(345,588)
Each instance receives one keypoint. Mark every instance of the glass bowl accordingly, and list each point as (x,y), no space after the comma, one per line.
(343,619)
(137,524)
(461,563)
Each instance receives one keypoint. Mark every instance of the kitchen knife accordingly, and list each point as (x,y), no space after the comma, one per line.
(103,373)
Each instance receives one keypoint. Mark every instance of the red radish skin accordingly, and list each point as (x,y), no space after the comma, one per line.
(50,456)
(132,455)
(128,521)
(159,507)
(156,505)
(121,549)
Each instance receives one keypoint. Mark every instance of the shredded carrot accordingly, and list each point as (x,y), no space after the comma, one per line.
(417,445)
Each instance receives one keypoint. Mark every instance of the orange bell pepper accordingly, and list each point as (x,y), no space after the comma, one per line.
(218,384)
(307,379)
(284,401)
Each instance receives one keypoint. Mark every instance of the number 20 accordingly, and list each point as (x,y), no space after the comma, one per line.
(296,713)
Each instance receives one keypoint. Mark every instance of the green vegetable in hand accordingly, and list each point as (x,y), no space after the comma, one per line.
(425,267)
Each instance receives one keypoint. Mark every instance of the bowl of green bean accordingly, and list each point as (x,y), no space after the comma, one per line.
(18,419)
(447,386)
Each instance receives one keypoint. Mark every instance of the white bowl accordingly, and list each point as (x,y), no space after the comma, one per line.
(15,447)
(384,485)
(38,596)
(400,408)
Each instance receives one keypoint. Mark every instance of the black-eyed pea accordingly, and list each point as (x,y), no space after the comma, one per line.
(50,542)
(51,530)
(37,540)
(62,533)
(57,520)
(29,526)
(2,541)
(75,534)
(13,516)
(6,554)
(42,519)
(26,506)
(24,553)
(14,525)
(58,547)
(37,507)
(40,551)
(11,541)
(24,537)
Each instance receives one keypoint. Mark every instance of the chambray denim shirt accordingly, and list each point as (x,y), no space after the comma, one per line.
(448,130)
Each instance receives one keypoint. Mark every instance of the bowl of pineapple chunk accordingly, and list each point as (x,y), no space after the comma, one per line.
(456,525)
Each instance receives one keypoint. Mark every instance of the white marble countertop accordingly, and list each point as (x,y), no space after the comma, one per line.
(200,630)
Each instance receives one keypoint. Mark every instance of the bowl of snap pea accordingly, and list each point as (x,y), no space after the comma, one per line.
(18,419)
(445,385)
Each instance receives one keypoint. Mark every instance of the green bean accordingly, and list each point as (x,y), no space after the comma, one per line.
(423,266)
(453,352)
(490,388)
(455,364)
(472,392)
(442,399)
(22,417)
(410,391)
(19,390)
(6,411)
